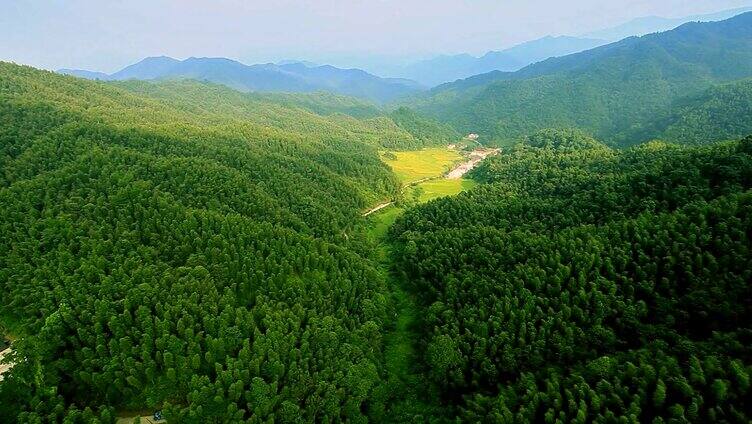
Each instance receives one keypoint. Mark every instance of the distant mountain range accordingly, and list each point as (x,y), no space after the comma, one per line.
(625,92)
(303,76)
(284,77)
(448,68)
(651,24)
(443,69)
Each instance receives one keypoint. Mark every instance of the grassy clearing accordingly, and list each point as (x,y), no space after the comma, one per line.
(382,220)
(434,189)
(411,399)
(418,164)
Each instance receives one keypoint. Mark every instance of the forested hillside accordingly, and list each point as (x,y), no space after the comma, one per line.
(427,130)
(187,247)
(720,113)
(324,103)
(622,92)
(585,284)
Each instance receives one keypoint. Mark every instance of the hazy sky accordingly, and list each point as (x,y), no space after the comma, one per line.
(106,35)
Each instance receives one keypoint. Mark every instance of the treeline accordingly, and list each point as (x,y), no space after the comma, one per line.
(427,130)
(304,113)
(184,247)
(583,284)
(324,103)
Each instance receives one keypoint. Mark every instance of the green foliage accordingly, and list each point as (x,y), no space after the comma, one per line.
(186,247)
(323,103)
(562,140)
(721,113)
(624,93)
(584,284)
(424,129)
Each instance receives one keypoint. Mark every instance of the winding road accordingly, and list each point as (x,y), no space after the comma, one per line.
(476,157)
(377,208)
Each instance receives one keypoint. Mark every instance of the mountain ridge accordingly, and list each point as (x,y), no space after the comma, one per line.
(447,68)
(613,91)
(651,24)
(269,77)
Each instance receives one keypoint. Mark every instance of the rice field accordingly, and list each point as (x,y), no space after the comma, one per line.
(416,165)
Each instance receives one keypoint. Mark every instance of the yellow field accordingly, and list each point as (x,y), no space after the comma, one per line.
(418,164)
(434,189)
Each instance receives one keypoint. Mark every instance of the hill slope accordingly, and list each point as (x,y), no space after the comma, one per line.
(159,240)
(721,113)
(616,91)
(585,284)
(324,103)
(291,77)
(184,247)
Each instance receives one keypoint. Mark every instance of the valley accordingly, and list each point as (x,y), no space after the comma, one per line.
(431,173)
(204,241)
(425,176)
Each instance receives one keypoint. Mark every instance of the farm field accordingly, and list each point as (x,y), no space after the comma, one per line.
(417,165)
(411,166)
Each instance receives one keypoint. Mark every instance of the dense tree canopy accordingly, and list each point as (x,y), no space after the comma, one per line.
(720,113)
(582,284)
(186,247)
(424,129)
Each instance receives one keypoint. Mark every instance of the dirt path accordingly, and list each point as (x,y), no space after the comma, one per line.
(3,366)
(381,206)
(377,208)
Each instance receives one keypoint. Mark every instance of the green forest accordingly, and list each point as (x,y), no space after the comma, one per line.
(176,246)
(188,247)
(625,93)
(583,284)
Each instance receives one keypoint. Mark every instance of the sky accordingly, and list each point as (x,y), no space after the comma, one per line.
(105,35)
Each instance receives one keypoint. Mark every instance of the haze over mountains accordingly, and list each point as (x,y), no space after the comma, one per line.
(286,77)
(450,68)
(650,24)
(625,92)
(394,81)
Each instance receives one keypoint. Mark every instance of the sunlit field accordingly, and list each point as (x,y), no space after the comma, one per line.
(415,165)
(434,189)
